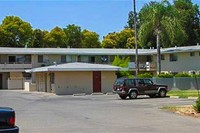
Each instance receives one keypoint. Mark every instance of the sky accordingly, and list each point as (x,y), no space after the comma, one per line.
(100,16)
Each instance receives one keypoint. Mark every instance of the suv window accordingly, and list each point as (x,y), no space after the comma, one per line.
(130,82)
(148,82)
(140,82)
(119,82)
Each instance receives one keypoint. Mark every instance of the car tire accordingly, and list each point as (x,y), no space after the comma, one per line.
(123,97)
(133,95)
(162,93)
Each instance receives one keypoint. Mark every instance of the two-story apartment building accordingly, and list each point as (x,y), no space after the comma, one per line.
(14,61)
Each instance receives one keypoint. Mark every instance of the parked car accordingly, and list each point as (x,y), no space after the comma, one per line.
(7,120)
(133,87)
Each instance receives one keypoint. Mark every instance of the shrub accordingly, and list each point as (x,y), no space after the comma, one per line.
(145,75)
(182,75)
(197,105)
(197,75)
(165,75)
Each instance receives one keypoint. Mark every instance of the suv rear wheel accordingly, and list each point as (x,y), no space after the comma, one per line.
(133,95)
(162,93)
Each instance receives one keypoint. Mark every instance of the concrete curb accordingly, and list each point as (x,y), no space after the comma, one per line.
(79,94)
(176,97)
(194,98)
(98,93)
(110,93)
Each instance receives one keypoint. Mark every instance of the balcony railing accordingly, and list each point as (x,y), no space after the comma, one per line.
(6,66)
(143,66)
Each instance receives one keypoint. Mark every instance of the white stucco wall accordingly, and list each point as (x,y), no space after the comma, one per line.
(107,80)
(73,82)
(185,62)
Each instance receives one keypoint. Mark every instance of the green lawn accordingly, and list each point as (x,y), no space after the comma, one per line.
(183,93)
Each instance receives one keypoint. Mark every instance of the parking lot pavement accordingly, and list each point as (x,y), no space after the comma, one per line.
(47,113)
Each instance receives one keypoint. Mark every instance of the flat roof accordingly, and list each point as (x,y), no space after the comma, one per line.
(94,51)
(76,66)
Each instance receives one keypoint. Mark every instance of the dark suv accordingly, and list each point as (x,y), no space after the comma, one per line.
(133,87)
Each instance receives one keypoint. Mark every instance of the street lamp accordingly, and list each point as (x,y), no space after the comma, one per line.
(136,46)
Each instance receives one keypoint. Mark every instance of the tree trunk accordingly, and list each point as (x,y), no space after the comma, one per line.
(158,54)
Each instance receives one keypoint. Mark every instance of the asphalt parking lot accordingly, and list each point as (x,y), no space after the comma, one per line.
(48,113)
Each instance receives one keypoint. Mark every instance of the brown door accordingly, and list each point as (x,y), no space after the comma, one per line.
(96,81)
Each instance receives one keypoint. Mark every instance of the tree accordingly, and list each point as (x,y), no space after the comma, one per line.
(55,38)
(59,36)
(130,21)
(38,38)
(15,32)
(189,18)
(159,18)
(124,64)
(90,39)
(73,34)
(109,41)
(122,39)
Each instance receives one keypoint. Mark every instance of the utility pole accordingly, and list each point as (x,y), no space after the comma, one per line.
(136,46)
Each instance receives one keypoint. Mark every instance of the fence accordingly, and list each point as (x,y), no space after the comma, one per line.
(179,82)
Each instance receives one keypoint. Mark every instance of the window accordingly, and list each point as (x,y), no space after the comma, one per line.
(173,57)
(11,59)
(40,58)
(104,58)
(192,53)
(27,59)
(162,57)
(148,82)
(63,59)
(130,82)
(149,58)
(92,59)
(20,59)
(140,82)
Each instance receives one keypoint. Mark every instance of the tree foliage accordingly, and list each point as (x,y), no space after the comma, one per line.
(15,32)
(189,16)
(57,38)
(160,20)
(38,38)
(122,39)
(124,62)
(90,39)
(73,33)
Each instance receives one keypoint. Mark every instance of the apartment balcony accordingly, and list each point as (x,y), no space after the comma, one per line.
(14,67)
(147,66)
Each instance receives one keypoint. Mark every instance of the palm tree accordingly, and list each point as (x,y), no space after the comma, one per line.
(158,18)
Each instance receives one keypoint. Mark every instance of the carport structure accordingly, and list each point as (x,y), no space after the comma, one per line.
(73,78)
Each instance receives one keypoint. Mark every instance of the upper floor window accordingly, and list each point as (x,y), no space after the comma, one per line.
(63,59)
(11,59)
(162,57)
(104,58)
(173,57)
(149,58)
(40,59)
(192,53)
(20,59)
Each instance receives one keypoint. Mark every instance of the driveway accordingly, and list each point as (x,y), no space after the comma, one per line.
(48,113)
